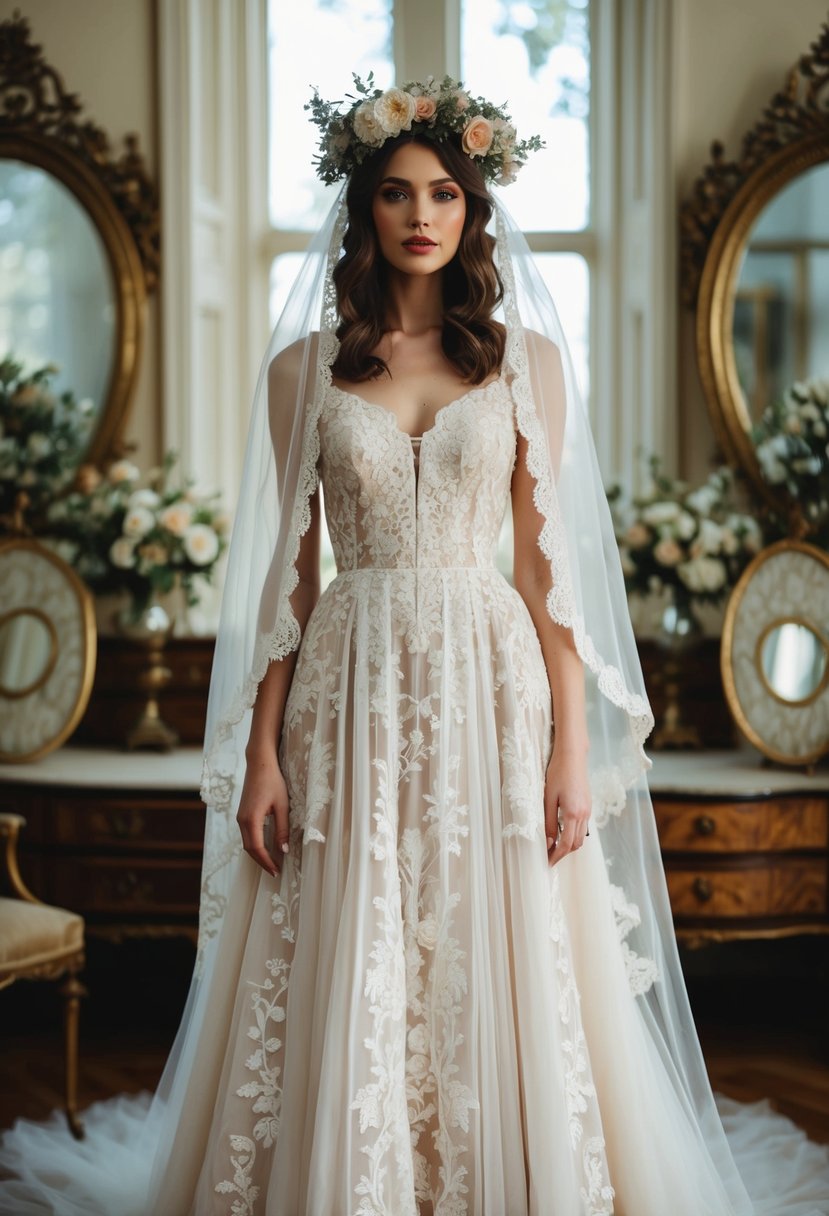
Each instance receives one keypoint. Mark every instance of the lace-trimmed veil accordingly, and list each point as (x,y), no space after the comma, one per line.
(257,624)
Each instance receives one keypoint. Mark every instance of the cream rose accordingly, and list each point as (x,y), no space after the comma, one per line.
(143,498)
(201,544)
(395,111)
(87,478)
(509,171)
(461,100)
(367,126)
(477,136)
(122,553)
(667,552)
(138,521)
(176,518)
(637,535)
(425,108)
(122,470)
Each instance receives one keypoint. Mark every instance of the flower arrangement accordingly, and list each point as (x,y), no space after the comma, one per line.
(691,540)
(42,438)
(792,440)
(438,110)
(145,540)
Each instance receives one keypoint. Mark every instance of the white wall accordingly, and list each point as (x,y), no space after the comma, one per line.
(104,50)
(730,57)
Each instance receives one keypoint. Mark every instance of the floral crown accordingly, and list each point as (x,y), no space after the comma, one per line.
(436,110)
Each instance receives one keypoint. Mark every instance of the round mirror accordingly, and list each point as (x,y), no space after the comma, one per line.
(57,298)
(792,659)
(774,656)
(781,299)
(28,651)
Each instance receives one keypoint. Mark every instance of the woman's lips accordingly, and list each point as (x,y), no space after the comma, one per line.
(419,245)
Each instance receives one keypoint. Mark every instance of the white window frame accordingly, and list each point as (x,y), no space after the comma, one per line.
(218,244)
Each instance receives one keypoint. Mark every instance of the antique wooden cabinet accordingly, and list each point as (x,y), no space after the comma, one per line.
(745,845)
(117,836)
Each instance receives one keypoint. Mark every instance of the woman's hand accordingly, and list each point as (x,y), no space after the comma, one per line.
(566,797)
(264,793)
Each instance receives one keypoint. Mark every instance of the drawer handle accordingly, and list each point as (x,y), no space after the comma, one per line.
(705,825)
(702,889)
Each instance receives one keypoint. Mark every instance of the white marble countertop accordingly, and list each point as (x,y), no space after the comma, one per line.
(111,767)
(737,771)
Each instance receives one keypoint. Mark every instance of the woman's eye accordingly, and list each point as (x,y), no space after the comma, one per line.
(447,194)
(390,193)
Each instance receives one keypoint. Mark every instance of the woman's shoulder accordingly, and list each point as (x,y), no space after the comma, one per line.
(287,364)
(542,347)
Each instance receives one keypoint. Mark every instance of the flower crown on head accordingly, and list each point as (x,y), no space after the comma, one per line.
(436,110)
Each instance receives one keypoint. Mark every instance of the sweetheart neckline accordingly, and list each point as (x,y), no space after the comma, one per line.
(477,388)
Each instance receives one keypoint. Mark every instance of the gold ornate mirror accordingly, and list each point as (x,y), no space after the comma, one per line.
(47,650)
(775,652)
(79,238)
(755,262)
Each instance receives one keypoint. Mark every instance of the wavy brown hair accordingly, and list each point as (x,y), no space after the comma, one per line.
(472,288)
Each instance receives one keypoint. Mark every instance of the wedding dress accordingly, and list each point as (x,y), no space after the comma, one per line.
(419,1016)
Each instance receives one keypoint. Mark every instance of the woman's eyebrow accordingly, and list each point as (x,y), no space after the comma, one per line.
(401,181)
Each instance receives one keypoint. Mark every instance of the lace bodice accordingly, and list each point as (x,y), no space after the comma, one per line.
(396,501)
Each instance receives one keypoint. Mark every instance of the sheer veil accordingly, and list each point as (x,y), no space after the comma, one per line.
(587,594)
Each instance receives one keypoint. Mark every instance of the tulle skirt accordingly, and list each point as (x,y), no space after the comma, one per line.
(419,1017)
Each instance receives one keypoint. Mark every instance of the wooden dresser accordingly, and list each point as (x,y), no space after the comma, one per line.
(114,835)
(745,846)
(117,836)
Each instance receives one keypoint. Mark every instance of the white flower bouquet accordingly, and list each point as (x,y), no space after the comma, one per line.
(42,438)
(792,440)
(693,541)
(145,540)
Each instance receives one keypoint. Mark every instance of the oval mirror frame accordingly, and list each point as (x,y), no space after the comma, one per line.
(716,219)
(34,579)
(42,124)
(786,581)
(127,280)
(715,305)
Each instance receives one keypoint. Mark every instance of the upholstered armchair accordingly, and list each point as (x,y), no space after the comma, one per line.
(41,942)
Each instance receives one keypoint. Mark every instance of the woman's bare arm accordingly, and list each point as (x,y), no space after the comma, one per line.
(264,792)
(567,789)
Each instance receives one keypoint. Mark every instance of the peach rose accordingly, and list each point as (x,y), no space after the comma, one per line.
(87,478)
(425,108)
(477,137)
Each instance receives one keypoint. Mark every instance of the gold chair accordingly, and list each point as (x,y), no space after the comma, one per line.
(38,941)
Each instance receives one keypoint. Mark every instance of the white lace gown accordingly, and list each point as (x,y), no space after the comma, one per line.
(420,1017)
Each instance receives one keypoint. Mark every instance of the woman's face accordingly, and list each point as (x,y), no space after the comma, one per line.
(418,211)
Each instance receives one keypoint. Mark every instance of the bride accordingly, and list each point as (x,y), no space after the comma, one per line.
(436,973)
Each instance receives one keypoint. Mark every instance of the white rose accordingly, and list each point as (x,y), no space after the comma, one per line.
(39,445)
(701,500)
(122,553)
(427,931)
(143,498)
(686,525)
(201,544)
(176,518)
(122,470)
(509,171)
(138,522)
(710,535)
(367,126)
(703,574)
(660,513)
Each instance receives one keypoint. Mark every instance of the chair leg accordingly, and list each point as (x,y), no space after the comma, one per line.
(72,990)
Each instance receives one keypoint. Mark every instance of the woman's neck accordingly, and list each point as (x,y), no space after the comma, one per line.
(415,302)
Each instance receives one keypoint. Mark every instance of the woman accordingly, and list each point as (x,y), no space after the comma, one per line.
(425,986)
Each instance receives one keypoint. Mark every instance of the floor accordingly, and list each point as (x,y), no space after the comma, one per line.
(761,1012)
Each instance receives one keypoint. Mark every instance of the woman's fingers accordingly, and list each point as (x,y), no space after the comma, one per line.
(253,838)
(568,836)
